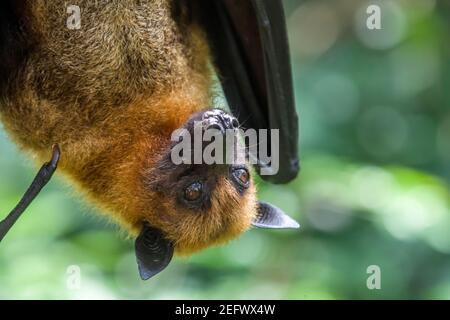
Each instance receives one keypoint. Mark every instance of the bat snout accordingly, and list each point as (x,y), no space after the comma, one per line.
(220,120)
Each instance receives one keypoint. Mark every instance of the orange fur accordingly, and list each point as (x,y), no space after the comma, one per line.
(110,95)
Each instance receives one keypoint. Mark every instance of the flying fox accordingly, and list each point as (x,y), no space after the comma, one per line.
(105,98)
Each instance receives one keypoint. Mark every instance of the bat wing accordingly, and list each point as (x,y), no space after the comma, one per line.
(250,47)
(11,44)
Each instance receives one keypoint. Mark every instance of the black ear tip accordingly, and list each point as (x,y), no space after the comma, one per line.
(272,217)
(294,225)
(145,274)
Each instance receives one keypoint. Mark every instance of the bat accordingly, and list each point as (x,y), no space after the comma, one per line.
(109,95)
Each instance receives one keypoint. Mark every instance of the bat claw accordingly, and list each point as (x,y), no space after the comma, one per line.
(56,156)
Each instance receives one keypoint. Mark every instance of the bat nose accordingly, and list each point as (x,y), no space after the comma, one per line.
(229,121)
(235,123)
(219,119)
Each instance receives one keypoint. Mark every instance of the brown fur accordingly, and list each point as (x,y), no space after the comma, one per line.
(110,95)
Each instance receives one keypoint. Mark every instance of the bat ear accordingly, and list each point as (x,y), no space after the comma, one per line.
(271,217)
(153,252)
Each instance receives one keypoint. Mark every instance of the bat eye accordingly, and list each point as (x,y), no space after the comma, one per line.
(241,176)
(193,192)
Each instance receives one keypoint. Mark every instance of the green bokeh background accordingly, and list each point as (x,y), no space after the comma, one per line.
(375,150)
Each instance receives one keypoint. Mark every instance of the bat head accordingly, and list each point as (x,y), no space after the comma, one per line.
(200,204)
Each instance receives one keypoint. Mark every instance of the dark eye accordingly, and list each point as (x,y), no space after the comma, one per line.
(241,176)
(193,192)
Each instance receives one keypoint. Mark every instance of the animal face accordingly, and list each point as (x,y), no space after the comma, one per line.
(203,204)
(193,206)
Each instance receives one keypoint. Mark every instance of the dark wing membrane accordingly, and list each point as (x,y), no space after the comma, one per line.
(12,45)
(250,45)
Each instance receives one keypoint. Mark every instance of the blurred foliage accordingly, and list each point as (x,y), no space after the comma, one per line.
(375,142)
